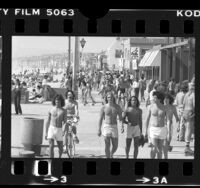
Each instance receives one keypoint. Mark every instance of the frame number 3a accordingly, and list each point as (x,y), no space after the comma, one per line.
(157,180)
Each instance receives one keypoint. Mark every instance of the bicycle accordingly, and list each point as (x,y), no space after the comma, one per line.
(71,122)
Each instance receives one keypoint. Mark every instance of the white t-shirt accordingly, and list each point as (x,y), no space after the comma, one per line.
(131,77)
(151,95)
(135,84)
(44,82)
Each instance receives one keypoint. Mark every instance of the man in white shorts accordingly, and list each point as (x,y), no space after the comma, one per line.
(158,132)
(109,113)
(57,117)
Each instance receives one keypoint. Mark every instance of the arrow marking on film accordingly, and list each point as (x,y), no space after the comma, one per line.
(52,179)
(144,180)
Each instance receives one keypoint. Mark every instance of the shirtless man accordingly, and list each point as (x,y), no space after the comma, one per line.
(55,123)
(171,111)
(71,107)
(188,116)
(157,132)
(179,105)
(109,113)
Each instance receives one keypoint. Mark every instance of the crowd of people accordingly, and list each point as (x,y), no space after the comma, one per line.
(164,100)
(121,94)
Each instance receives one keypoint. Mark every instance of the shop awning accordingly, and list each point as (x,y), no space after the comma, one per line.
(154,59)
(143,60)
(151,59)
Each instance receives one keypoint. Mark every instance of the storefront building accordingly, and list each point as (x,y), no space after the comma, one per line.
(135,48)
(170,61)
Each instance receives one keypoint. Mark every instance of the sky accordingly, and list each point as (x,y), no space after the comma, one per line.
(25,46)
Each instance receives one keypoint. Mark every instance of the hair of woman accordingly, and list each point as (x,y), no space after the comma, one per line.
(60,98)
(129,101)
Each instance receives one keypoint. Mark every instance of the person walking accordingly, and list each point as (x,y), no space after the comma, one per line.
(171,111)
(188,116)
(88,90)
(136,87)
(55,125)
(107,88)
(134,125)
(179,105)
(109,112)
(17,92)
(171,86)
(156,115)
(142,87)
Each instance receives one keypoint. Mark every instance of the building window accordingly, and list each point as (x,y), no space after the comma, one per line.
(118,53)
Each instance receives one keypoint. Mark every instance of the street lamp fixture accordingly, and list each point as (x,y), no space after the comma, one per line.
(82,42)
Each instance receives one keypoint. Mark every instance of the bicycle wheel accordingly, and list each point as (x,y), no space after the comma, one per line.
(71,146)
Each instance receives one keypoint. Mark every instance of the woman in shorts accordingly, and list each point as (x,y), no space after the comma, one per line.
(134,125)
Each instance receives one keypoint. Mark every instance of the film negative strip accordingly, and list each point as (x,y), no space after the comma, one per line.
(78,89)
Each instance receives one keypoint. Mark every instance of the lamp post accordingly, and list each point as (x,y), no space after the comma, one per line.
(82,42)
(123,54)
(75,67)
(69,55)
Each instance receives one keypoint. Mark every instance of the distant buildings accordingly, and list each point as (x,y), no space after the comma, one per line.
(174,60)
(155,57)
(114,55)
(45,63)
(126,52)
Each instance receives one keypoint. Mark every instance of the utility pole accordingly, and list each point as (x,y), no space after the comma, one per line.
(76,67)
(190,57)
(69,55)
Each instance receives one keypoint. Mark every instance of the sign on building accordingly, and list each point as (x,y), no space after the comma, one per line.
(135,52)
(134,64)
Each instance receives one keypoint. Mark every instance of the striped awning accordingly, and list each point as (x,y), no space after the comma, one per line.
(151,59)
(154,59)
(144,59)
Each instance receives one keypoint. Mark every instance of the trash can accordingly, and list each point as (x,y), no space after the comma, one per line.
(27,154)
(32,134)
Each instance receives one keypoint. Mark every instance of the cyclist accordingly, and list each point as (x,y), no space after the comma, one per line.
(71,107)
